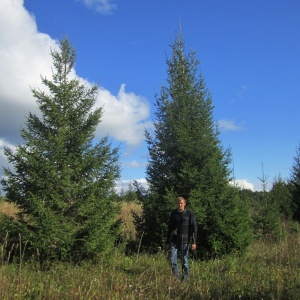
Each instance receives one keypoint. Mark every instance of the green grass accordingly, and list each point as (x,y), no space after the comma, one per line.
(268,270)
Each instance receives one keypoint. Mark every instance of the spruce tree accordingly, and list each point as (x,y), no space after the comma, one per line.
(265,212)
(281,196)
(295,185)
(187,159)
(63,180)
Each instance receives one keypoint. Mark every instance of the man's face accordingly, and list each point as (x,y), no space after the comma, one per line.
(180,205)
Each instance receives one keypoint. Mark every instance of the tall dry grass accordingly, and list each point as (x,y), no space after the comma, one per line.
(8,209)
(126,214)
(267,270)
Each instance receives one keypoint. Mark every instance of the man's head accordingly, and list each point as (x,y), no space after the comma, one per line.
(181,203)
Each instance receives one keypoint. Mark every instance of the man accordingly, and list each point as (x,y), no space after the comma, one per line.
(182,228)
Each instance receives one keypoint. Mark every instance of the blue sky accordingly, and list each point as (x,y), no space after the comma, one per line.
(249,54)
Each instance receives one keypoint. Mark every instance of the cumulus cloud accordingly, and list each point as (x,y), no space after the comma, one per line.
(228,125)
(125,115)
(25,56)
(243,184)
(103,6)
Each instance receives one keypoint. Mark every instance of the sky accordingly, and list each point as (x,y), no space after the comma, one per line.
(249,53)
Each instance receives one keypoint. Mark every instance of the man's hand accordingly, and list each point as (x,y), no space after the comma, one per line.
(194,247)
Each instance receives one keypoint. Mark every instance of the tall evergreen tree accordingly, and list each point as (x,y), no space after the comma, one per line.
(63,181)
(265,212)
(281,196)
(187,159)
(295,185)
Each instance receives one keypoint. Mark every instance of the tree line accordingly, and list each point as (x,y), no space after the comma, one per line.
(63,180)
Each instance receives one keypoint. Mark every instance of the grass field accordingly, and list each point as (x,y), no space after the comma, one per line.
(267,270)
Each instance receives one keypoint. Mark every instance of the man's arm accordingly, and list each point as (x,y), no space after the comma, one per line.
(194,231)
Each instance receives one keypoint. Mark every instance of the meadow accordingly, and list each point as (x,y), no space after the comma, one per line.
(267,270)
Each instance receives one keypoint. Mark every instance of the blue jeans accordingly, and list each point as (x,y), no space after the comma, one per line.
(184,249)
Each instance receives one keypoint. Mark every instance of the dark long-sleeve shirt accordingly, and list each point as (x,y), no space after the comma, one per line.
(184,224)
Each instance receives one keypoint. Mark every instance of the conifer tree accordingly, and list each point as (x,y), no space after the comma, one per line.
(265,212)
(187,159)
(63,180)
(295,185)
(281,196)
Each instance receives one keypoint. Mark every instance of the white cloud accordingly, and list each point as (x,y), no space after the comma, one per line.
(123,185)
(243,184)
(228,125)
(125,115)
(103,6)
(3,144)
(25,56)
